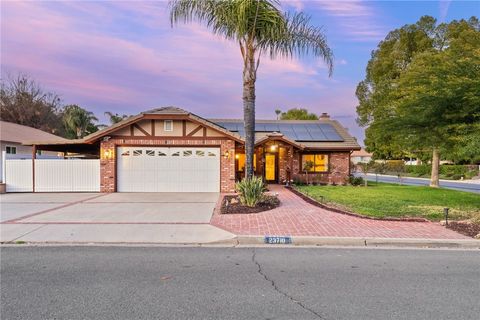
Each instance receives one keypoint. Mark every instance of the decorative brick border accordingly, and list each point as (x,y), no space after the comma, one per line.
(323,206)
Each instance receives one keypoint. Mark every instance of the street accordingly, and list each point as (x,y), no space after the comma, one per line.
(450,184)
(101,282)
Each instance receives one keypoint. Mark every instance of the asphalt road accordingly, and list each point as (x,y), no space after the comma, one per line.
(455,185)
(242,283)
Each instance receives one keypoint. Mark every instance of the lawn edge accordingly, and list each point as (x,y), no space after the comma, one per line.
(314,202)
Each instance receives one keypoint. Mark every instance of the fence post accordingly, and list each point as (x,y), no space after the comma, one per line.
(34,155)
(4,166)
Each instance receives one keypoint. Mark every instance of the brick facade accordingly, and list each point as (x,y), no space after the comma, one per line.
(108,155)
(339,169)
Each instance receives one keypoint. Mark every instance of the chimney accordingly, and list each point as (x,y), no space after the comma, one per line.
(324,115)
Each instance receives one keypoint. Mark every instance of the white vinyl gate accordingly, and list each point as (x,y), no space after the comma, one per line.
(163,169)
(53,175)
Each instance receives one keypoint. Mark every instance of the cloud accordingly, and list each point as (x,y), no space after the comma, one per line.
(355,18)
(125,57)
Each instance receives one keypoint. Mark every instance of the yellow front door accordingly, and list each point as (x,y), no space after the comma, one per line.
(270,167)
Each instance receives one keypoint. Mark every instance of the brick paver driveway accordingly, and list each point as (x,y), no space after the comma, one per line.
(295,217)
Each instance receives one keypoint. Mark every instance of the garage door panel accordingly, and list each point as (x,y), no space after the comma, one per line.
(162,169)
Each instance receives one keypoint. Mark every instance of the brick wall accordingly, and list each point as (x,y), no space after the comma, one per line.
(339,163)
(108,164)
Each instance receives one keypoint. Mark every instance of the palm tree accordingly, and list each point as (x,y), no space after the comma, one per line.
(78,121)
(115,117)
(278,112)
(260,28)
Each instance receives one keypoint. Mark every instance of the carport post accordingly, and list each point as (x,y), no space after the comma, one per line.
(34,156)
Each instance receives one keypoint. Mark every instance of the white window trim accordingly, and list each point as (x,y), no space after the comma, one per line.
(168,125)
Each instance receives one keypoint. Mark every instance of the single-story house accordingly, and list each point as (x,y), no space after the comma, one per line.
(361,156)
(171,149)
(11,137)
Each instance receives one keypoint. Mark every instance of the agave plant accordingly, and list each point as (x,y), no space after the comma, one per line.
(250,190)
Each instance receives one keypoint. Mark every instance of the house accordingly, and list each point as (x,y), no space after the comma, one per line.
(11,137)
(170,149)
(361,156)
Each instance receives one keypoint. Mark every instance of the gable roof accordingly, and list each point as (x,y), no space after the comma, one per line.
(13,132)
(164,111)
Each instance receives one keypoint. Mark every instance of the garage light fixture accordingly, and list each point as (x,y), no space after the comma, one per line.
(107,154)
(226,154)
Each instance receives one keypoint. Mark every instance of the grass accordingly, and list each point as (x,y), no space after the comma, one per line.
(390,200)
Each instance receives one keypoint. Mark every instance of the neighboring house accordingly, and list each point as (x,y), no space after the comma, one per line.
(12,135)
(361,156)
(170,149)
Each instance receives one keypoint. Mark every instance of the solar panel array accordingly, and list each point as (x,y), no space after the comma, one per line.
(294,131)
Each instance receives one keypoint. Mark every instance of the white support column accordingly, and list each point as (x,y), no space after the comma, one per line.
(4,165)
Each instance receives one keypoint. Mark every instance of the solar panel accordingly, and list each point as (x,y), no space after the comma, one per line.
(294,131)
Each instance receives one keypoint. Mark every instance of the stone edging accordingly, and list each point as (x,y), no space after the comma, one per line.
(323,206)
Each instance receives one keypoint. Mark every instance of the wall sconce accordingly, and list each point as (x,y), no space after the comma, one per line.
(273,148)
(107,154)
(237,156)
(226,154)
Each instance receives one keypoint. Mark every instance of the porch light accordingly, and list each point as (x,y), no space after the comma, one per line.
(226,154)
(237,156)
(107,154)
(273,148)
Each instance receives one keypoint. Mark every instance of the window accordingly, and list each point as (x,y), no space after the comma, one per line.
(137,153)
(200,153)
(211,154)
(150,153)
(39,152)
(319,162)
(161,154)
(168,125)
(126,153)
(11,150)
(187,153)
(241,161)
(176,154)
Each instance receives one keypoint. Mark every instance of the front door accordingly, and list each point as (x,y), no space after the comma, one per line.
(270,167)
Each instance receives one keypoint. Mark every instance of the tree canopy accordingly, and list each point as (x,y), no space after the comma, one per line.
(298,114)
(23,101)
(422,90)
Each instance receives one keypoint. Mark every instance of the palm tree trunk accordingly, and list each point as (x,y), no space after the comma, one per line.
(249,78)
(434,180)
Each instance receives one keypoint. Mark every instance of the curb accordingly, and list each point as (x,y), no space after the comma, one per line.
(364,242)
(296,242)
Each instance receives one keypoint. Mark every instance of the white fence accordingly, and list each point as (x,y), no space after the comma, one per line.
(18,175)
(53,175)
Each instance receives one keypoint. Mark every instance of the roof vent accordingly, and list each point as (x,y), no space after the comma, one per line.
(324,115)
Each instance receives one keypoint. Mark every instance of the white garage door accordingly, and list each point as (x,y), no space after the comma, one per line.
(161,169)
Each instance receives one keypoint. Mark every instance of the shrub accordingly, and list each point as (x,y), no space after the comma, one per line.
(250,190)
(356,181)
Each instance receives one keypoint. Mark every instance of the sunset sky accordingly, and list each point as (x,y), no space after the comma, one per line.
(124,57)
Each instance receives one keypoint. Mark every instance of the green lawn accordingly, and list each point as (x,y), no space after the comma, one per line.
(390,200)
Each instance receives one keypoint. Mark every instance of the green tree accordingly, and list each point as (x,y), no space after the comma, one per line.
(78,122)
(298,114)
(422,90)
(260,28)
(115,117)
(23,101)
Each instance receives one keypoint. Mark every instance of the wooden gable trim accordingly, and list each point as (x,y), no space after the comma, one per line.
(195,131)
(134,125)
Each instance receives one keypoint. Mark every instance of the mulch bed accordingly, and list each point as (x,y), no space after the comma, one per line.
(232,205)
(464,227)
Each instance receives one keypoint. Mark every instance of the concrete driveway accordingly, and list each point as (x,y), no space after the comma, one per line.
(116,217)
